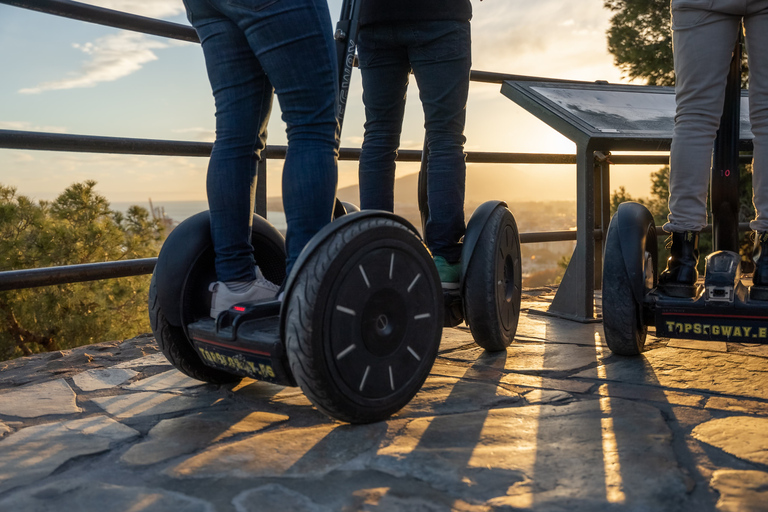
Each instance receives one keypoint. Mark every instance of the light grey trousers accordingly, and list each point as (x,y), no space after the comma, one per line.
(704,33)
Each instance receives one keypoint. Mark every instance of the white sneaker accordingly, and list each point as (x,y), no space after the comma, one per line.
(223,298)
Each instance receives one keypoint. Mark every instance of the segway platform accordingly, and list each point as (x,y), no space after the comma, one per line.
(244,341)
(722,309)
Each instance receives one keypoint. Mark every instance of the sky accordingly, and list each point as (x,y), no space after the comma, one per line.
(67,76)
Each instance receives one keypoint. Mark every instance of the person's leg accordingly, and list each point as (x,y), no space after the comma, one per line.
(243,98)
(756,30)
(293,42)
(384,68)
(441,59)
(703,41)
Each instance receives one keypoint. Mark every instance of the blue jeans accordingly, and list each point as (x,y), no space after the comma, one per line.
(439,54)
(252,48)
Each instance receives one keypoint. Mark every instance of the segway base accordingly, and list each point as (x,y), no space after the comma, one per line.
(251,348)
(743,321)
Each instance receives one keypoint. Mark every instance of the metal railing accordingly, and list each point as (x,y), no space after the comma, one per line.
(24,140)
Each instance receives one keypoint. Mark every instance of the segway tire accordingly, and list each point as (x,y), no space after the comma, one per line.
(176,347)
(364,320)
(623,325)
(493,283)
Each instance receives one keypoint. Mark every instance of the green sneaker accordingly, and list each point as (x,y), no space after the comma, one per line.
(450,273)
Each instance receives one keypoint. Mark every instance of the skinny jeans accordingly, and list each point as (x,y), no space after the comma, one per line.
(439,54)
(254,48)
(704,33)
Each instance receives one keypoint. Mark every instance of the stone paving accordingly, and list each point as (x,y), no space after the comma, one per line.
(557,423)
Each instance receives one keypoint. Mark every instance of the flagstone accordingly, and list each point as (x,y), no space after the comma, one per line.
(104,378)
(740,491)
(35,400)
(741,436)
(88,496)
(275,497)
(35,452)
(179,436)
(151,403)
(297,452)
(172,380)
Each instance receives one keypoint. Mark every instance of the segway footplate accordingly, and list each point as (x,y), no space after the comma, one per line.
(250,349)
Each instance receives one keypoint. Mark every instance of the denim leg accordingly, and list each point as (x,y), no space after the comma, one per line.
(299,56)
(756,28)
(243,98)
(384,68)
(291,43)
(441,61)
(703,42)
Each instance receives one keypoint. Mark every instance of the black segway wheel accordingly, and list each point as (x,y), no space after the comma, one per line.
(183,273)
(629,272)
(177,348)
(363,320)
(493,283)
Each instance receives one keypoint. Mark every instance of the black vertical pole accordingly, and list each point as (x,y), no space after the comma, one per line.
(346,44)
(422,191)
(724,185)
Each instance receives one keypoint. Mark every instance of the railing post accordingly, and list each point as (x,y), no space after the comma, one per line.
(260,206)
(602,210)
(575,295)
(422,192)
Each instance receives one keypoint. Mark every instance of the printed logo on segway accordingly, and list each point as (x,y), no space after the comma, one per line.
(719,329)
(236,362)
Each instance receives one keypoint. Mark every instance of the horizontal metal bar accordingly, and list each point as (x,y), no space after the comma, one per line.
(547,236)
(655,159)
(36,277)
(31,278)
(41,141)
(497,78)
(108,17)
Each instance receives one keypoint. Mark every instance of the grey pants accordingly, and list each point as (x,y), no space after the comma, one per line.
(704,33)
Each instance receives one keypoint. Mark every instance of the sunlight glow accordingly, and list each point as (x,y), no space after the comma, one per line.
(611,463)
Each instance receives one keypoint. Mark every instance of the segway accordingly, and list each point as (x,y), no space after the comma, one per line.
(490,286)
(361,319)
(725,307)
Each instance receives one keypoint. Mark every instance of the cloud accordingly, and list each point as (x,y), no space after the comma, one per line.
(552,38)
(111,57)
(151,8)
(27,126)
(197,133)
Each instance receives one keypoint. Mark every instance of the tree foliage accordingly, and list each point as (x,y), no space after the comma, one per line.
(77,227)
(640,40)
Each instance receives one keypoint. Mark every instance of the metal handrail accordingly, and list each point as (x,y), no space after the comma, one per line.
(108,17)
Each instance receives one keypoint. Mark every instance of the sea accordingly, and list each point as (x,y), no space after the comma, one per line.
(181,210)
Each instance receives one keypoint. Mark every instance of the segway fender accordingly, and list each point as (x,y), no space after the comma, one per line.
(630,224)
(184,245)
(323,234)
(474,228)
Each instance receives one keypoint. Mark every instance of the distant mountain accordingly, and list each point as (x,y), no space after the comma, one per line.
(530,215)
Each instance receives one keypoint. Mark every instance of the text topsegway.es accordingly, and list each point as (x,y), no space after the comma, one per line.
(725,307)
